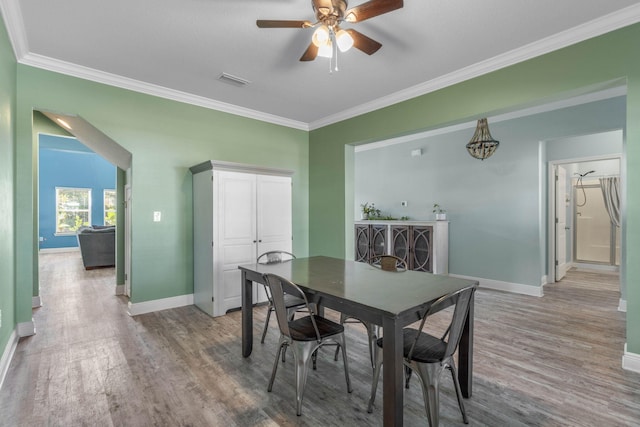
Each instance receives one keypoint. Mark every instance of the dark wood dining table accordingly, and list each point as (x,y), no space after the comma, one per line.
(391,300)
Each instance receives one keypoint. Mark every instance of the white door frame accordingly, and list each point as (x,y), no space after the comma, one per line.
(551,205)
(561,265)
(127,237)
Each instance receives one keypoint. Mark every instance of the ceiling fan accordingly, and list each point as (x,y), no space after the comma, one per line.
(328,37)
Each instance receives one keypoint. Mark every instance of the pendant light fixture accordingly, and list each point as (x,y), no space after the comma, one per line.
(482,144)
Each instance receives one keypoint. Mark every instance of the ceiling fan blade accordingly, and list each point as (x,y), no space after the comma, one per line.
(371,9)
(310,54)
(364,43)
(274,23)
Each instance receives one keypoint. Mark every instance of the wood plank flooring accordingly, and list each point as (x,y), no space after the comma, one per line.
(551,361)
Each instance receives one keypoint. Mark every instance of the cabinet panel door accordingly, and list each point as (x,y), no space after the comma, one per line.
(274,219)
(236,237)
(378,240)
(362,243)
(274,213)
(421,253)
(400,242)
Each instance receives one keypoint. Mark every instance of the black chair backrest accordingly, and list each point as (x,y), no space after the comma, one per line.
(461,299)
(278,287)
(274,257)
(388,262)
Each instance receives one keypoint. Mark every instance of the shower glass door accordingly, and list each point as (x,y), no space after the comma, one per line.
(596,239)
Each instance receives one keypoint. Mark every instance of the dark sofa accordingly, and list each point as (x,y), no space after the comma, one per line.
(97,246)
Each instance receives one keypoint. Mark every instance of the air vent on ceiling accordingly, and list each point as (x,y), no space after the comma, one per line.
(233,80)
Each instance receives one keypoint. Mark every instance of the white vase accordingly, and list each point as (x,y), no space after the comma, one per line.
(441,217)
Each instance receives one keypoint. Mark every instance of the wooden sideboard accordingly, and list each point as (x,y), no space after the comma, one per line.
(424,245)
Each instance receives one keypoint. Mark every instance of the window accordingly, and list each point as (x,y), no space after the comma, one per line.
(73,209)
(109,207)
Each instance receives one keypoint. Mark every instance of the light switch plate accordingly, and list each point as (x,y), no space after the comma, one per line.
(157,216)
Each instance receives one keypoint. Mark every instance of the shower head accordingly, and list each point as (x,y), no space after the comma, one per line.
(582,175)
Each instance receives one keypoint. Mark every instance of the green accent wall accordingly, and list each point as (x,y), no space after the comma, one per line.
(165,138)
(601,62)
(7,126)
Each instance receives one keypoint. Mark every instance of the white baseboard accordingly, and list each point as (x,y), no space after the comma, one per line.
(36,302)
(119,289)
(622,305)
(159,304)
(26,329)
(7,356)
(58,250)
(630,361)
(516,288)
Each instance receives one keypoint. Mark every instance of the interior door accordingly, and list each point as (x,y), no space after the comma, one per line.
(236,236)
(561,222)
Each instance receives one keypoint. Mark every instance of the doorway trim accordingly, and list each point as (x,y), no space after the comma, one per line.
(551,208)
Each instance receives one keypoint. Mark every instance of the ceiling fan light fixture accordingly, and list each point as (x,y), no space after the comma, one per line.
(344,40)
(325,50)
(321,36)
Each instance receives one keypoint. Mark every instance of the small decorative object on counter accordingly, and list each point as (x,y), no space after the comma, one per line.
(369,211)
(441,213)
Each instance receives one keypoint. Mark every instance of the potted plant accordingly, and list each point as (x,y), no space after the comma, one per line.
(369,211)
(441,213)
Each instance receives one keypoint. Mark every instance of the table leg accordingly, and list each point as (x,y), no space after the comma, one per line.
(393,373)
(465,353)
(247,315)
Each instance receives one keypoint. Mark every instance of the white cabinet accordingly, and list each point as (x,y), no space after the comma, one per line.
(239,212)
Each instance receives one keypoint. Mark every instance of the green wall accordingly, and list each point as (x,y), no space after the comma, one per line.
(7,120)
(595,64)
(165,139)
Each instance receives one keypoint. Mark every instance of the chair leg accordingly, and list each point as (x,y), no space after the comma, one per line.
(343,317)
(376,378)
(454,375)
(266,323)
(407,375)
(275,365)
(373,337)
(341,344)
(429,374)
(302,352)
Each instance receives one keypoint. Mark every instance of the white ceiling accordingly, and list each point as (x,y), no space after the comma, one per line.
(178,48)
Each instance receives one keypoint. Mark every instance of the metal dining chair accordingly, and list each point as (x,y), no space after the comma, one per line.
(428,356)
(292,303)
(387,263)
(304,335)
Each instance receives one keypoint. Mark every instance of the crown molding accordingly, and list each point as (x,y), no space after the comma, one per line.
(15,27)
(613,21)
(75,70)
(12,14)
